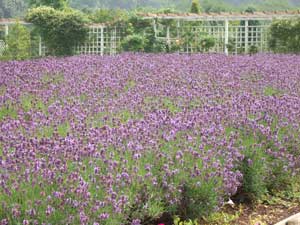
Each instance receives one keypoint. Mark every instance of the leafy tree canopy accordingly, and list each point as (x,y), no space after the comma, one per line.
(60,29)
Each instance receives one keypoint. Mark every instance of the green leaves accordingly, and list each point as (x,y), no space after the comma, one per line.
(134,43)
(285,36)
(60,29)
(195,8)
(18,43)
(56,4)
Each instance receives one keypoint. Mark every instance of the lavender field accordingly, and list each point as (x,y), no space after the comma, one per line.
(128,138)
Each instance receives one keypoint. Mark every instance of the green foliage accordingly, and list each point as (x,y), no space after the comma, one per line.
(61,30)
(178,221)
(200,42)
(134,43)
(271,91)
(223,218)
(195,7)
(262,172)
(8,111)
(63,129)
(139,24)
(17,42)
(285,36)
(159,46)
(215,6)
(207,43)
(199,198)
(56,4)
(184,5)
(253,49)
(254,172)
(108,15)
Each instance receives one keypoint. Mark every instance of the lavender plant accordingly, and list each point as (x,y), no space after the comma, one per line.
(123,139)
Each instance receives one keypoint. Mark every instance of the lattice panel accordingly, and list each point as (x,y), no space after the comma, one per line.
(101,40)
(2,47)
(241,38)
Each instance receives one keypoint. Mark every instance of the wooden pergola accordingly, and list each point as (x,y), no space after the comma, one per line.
(224,29)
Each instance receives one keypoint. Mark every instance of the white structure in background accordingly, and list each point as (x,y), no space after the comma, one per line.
(233,33)
(102,39)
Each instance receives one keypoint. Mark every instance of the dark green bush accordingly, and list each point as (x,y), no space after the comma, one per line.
(61,30)
(134,43)
(206,43)
(253,49)
(285,36)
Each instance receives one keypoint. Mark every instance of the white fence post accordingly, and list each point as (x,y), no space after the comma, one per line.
(226,36)
(40,46)
(168,36)
(102,41)
(246,36)
(6,30)
(155,28)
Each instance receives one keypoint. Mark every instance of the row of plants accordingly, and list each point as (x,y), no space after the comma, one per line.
(129,139)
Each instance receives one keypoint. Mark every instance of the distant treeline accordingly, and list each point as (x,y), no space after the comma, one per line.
(184,5)
(17,8)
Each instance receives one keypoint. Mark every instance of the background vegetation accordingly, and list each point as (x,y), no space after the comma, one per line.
(17,8)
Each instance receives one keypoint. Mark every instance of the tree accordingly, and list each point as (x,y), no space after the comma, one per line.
(17,43)
(56,4)
(12,8)
(61,30)
(195,7)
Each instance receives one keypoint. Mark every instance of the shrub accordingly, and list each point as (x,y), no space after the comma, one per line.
(253,49)
(195,7)
(134,43)
(159,46)
(17,43)
(199,198)
(284,36)
(207,43)
(262,172)
(61,30)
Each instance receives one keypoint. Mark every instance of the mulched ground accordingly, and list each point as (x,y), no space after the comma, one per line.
(265,214)
(269,212)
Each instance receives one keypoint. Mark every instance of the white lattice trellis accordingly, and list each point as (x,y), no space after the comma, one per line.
(232,32)
(2,47)
(101,40)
